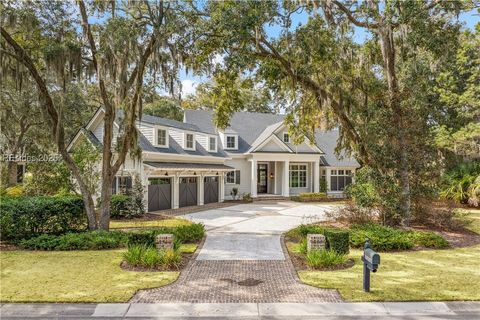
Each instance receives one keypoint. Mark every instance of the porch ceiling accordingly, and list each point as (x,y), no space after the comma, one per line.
(188,166)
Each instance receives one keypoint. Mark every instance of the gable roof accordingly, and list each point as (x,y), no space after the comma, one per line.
(265,135)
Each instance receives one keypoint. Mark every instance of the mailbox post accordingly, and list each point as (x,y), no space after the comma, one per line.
(371,260)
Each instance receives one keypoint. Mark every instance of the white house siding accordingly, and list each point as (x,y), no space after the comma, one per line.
(245,175)
(98,132)
(202,140)
(271,147)
(147,131)
(177,135)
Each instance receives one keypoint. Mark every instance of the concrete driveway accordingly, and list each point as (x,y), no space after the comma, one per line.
(252,231)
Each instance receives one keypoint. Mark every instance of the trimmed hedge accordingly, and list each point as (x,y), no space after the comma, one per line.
(183,234)
(337,240)
(310,197)
(27,217)
(94,240)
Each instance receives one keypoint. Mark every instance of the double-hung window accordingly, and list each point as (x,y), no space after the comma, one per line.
(189,141)
(231,142)
(298,176)
(286,137)
(162,137)
(233,177)
(340,179)
(212,144)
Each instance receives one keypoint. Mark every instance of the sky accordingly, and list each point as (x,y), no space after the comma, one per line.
(189,81)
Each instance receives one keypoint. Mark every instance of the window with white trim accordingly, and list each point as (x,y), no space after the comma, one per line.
(231,142)
(298,176)
(189,141)
(286,137)
(212,144)
(232,177)
(340,179)
(161,137)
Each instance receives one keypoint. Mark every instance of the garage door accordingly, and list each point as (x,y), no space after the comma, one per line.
(188,192)
(210,190)
(159,194)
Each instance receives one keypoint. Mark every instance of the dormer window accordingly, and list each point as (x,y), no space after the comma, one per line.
(286,137)
(161,137)
(189,141)
(231,142)
(212,144)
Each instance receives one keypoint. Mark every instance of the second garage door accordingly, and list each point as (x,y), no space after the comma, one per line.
(210,190)
(188,192)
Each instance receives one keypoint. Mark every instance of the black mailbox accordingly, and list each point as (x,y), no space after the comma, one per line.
(371,260)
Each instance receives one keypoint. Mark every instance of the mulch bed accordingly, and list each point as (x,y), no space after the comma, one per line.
(186,257)
(8,247)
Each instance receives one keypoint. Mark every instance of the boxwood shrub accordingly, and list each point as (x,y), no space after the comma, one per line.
(337,240)
(94,240)
(27,217)
(119,206)
(182,234)
(310,197)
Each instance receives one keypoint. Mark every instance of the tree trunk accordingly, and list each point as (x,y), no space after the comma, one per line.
(388,53)
(12,173)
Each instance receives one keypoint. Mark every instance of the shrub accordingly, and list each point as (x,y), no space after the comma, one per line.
(120,206)
(457,183)
(94,240)
(133,256)
(142,238)
(437,216)
(381,238)
(247,197)
(234,192)
(363,194)
(28,217)
(310,197)
(337,240)
(149,257)
(189,233)
(325,259)
(15,191)
(429,239)
(303,247)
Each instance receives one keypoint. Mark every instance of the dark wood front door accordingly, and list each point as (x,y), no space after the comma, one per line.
(262,178)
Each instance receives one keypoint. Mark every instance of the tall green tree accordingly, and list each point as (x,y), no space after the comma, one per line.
(128,41)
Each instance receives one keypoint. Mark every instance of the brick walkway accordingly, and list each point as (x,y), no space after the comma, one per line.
(241,279)
(237,282)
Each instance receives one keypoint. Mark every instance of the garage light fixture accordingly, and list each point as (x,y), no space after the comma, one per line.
(166,174)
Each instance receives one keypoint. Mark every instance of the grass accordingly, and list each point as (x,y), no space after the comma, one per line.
(188,247)
(408,276)
(426,275)
(125,224)
(72,276)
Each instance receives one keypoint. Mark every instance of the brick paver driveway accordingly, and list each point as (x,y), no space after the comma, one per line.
(243,259)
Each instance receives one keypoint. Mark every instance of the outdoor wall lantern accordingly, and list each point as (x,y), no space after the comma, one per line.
(271,175)
(371,260)
(166,174)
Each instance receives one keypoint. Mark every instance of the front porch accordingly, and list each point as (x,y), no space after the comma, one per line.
(284,178)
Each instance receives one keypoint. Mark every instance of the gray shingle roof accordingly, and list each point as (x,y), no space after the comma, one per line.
(175,148)
(247,125)
(265,135)
(327,142)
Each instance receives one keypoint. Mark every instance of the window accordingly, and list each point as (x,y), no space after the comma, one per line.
(340,179)
(212,144)
(286,137)
(298,176)
(162,137)
(233,177)
(189,141)
(122,185)
(231,142)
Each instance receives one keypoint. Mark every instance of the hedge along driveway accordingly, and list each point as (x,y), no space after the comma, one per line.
(72,276)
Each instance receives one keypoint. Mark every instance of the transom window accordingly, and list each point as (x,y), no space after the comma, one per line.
(189,142)
(161,137)
(212,144)
(298,176)
(231,142)
(286,137)
(340,179)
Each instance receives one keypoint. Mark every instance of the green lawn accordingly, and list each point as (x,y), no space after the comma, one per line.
(73,276)
(452,274)
(123,224)
(408,276)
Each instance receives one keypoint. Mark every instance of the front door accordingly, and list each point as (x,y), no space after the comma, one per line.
(262,178)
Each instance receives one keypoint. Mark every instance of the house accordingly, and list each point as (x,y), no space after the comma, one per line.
(194,163)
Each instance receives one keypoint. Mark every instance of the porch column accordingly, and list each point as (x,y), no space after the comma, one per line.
(201,191)
(286,179)
(176,191)
(253,180)
(275,177)
(327,178)
(221,187)
(316,176)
